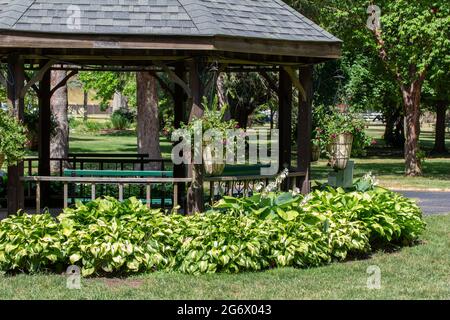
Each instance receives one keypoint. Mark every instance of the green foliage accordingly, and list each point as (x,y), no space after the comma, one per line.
(122,119)
(12,138)
(251,234)
(31,122)
(334,123)
(88,126)
(105,84)
(106,236)
(401,217)
(30,243)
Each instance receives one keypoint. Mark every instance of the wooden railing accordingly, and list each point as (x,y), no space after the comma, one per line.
(243,186)
(239,186)
(97,163)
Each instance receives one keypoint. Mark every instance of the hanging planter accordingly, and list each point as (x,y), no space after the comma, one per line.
(340,150)
(212,167)
(315,153)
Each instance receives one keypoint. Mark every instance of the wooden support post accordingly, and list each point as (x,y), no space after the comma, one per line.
(148,196)
(66,194)
(93,192)
(38,197)
(16,104)
(304,129)
(180,102)
(120,192)
(195,192)
(44,133)
(285,122)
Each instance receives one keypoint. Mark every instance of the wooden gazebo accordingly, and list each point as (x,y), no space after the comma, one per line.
(174,36)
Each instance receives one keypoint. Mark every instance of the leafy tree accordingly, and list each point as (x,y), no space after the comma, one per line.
(437,98)
(411,39)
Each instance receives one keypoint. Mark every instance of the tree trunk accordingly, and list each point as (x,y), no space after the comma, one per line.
(59,146)
(439,141)
(85,105)
(411,100)
(148,118)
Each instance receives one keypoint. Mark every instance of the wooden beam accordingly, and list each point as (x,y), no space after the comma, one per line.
(174,77)
(295,81)
(34,87)
(63,82)
(272,84)
(37,77)
(195,201)
(196,88)
(180,103)
(314,49)
(16,105)
(164,85)
(304,129)
(44,134)
(285,120)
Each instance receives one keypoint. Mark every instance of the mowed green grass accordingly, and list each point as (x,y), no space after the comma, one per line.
(114,143)
(418,272)
(390,168)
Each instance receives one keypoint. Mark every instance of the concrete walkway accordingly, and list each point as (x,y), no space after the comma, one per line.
(430,202)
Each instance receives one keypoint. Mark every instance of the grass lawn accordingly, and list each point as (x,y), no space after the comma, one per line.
(390,168)
(390,172)
(419,272)
(119,142)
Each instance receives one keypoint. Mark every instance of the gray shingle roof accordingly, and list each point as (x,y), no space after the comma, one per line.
(267,19)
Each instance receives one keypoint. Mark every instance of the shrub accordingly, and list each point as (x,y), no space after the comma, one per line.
(88,126)
(12,138)
(31,123)
(256,233)
(122,119)
(30,243)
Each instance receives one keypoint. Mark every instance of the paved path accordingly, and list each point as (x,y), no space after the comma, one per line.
(430,202)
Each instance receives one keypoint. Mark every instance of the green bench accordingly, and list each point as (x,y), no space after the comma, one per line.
(118,173)
(243,170)
(122,174)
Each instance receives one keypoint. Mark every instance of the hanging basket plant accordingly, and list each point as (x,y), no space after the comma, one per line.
(213,128)
(315,153)
(341,150)
(341,130)
(210,163)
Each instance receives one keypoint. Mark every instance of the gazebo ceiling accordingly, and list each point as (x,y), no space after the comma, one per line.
(260,30)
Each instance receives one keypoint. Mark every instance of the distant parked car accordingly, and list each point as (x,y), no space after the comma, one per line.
(373,116)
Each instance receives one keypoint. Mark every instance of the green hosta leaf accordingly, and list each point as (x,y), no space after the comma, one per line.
(75,258)
(284,199)
(287,215)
